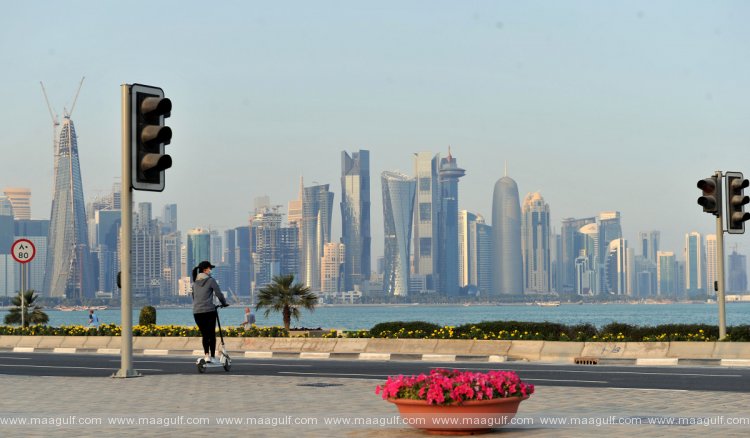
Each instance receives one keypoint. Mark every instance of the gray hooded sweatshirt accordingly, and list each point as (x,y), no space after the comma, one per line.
(203,290)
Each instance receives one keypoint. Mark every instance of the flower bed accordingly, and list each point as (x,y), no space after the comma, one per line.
(445,387)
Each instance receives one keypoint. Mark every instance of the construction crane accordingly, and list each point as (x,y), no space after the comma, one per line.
(53,115)
(75,99)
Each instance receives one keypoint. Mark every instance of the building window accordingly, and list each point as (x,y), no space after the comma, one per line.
(425,211)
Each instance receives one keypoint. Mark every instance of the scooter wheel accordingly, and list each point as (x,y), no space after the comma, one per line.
(201,365)
(227,365)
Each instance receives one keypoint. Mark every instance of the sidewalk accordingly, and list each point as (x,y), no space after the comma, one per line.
(164,405)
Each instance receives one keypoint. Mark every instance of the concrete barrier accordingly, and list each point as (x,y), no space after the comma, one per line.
(732,350)
(354,345)
(288,344)
(526,350)
(726,353)
(691,350)
(319,345)
(646,349)
(487,348)
(560,351)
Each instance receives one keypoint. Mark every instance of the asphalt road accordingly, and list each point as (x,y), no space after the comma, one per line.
(667,377)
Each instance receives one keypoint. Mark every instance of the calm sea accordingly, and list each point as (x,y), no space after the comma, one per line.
(364,317)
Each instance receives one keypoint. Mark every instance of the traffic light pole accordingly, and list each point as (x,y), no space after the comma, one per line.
(126,208)
(720,268)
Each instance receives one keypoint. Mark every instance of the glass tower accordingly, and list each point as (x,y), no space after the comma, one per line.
(536,243)
(398,209)
(694,261)
(317,208)
(506,230)
(70,271)
(449,175)
(355,217)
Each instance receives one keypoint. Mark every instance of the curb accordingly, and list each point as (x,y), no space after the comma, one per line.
(646,361)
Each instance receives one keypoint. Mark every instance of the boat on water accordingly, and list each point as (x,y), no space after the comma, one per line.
(548,303)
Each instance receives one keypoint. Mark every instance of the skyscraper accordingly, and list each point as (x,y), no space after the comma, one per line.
(69,272)
(737,276)
(587,247)
(243,257)
(649,244)
(20,198)
(694,263)
(506,229)
(426,206)
(570,244)
(447,240)
(616,274)
(475,253)
(332,266)
(666,274)
(35,231)
(536,243)
(355,217)
(398,208)
(169,219)
(146,261)
(198,248)
(317,208)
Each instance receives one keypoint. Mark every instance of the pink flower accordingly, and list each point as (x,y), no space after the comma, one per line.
(443,386)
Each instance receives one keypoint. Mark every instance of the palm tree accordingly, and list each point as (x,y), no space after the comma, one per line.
(32,313)
(285,296)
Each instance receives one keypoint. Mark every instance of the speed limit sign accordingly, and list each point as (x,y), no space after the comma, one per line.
(23,251)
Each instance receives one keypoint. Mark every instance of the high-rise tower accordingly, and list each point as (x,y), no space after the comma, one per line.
(20,198)
(317,208)
(355,217)
(447,241)
(398,209)
(506,230)
(426,207)
(536,243)
(69,272)
(694,263)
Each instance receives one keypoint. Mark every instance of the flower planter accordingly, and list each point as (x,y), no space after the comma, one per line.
(468,418)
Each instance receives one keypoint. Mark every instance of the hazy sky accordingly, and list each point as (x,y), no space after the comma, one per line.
(596,105)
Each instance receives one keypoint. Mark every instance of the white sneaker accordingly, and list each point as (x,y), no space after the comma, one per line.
(207,359)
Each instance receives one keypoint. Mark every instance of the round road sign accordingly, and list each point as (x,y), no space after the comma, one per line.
(23,251)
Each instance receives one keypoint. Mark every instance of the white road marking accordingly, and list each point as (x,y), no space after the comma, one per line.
(332,374)
(563,380)
(75,368)
(608,372)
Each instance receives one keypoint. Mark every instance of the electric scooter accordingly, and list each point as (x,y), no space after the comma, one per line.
(224,360)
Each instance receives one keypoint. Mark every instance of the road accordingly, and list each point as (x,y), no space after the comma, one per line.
(591,376)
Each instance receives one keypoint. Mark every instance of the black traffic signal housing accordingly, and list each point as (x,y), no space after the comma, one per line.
(736,200)
(711,198)
(148,136)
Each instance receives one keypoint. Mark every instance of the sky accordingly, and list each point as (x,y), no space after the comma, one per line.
(598,106)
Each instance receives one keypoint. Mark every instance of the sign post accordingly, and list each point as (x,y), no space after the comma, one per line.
(23,251)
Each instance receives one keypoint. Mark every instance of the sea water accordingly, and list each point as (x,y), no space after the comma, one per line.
(353,317)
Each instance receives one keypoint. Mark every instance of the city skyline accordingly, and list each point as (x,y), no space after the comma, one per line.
(587,109)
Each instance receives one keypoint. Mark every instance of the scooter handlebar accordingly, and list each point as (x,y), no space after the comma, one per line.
(222,305)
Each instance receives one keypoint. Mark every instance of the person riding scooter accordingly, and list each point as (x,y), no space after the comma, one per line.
(204,311)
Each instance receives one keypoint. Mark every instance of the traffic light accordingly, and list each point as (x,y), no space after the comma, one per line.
(711,199)
(736,200)
(148,136)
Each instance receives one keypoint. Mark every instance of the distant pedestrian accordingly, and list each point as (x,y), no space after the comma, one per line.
(249,319)
(93,319)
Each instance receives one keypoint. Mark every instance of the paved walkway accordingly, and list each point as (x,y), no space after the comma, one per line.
(166,405)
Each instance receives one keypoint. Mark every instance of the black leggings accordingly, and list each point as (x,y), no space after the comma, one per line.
(207,325)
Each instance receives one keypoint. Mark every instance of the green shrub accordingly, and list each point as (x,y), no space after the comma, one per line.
(147,316)
(384,329)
